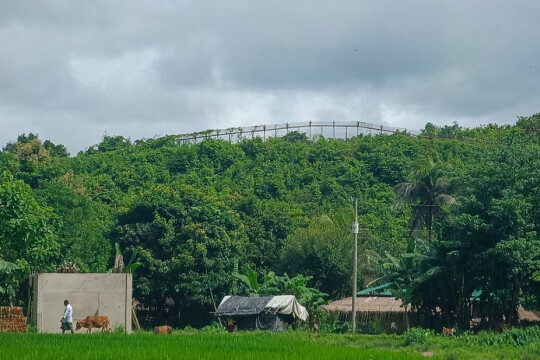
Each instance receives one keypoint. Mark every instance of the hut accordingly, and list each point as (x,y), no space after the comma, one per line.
(263,313)
(528,317)
(377,310)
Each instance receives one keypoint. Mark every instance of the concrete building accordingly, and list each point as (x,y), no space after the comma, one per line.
(89,294)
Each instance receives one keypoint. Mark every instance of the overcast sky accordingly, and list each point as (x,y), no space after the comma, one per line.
(72,71)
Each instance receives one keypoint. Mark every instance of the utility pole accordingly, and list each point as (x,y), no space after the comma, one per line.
(355,264)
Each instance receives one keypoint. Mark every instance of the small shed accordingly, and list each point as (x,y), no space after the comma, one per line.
(263,313)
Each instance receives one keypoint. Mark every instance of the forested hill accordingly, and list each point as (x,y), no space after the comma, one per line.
(194,214)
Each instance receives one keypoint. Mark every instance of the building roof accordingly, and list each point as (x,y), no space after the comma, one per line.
(367,304)
(242,306)
(528,315)
(381,290)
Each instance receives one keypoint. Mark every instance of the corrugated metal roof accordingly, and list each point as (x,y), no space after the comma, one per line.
(374,290)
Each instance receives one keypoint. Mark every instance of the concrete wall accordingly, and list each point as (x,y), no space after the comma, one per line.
(89,294)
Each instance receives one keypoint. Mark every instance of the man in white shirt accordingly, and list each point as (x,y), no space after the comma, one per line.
(67,319)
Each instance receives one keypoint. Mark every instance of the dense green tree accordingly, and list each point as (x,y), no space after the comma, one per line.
(55,150)
(81,225)
(322,250)
(188,243)
(26,237)
(109,143)
(494,231)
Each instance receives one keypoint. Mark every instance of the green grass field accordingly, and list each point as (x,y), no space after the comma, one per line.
(183,345)
(247,345)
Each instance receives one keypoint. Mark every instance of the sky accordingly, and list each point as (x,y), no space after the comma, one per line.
(73,71)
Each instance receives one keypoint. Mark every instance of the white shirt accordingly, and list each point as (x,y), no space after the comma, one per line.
(68,313)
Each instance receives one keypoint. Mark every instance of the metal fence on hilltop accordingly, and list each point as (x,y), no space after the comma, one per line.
(313,129)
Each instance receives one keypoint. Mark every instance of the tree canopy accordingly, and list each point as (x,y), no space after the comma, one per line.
(193,213)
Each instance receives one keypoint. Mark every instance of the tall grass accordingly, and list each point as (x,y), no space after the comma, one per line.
(215,345)
(183,345)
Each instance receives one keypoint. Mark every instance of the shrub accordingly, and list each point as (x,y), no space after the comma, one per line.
(511,337)
(214,326)
(417,336)
(119,329)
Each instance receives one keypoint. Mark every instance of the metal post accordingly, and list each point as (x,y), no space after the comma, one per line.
(355,264)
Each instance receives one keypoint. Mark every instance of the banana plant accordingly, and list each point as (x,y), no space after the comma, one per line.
(5,268)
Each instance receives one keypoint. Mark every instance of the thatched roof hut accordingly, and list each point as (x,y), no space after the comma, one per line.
(385,312)
(528,316)
(381,304)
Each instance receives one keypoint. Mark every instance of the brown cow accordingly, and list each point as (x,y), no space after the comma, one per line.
(448,331)
(95,321)
(163,329)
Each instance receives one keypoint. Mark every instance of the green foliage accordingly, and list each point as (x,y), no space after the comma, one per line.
(110,143)
(187,242)
(511,337)
(272,284)
(417,336)
(55,150)
(32,329)
(213,327)
(80,223)
(323,251)
(6,267)
(428,186)
(26,237)
(119,329)
(192,212)
(250,281)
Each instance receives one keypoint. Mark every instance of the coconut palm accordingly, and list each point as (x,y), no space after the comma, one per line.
(429,187)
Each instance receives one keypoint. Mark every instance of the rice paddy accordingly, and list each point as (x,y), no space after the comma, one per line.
(183,345)
(215,345)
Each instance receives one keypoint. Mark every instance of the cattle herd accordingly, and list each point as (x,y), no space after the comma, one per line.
(103,322)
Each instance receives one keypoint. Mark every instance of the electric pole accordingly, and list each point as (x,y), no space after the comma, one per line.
(355,264)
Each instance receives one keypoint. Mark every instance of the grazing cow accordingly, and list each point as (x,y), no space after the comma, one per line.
(448,331)
(163,329)
(95,321)
(231,326)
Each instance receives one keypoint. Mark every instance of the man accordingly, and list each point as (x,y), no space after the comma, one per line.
(67,319)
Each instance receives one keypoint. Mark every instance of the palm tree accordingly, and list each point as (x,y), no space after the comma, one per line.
(428,186)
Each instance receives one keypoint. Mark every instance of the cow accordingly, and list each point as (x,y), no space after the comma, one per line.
(448,331)
(95,321)
(163,329)
(231,325)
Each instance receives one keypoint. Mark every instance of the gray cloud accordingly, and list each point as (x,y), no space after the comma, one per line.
(73,70)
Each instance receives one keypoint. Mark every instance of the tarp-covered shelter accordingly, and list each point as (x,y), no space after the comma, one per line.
(263,313)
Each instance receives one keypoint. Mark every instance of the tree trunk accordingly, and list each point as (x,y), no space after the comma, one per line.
(406,318)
